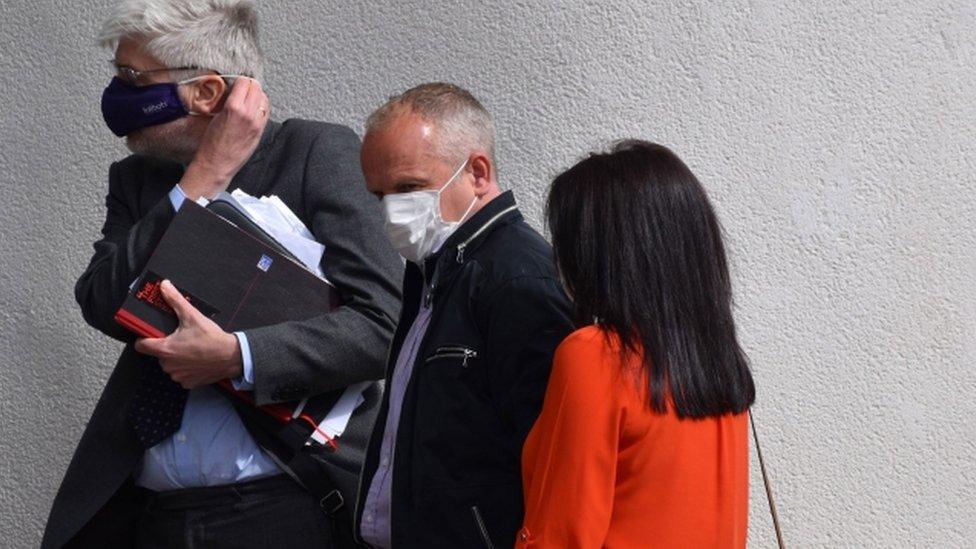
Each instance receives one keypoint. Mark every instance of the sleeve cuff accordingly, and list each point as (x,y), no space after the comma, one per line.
(246,381)
(176,197)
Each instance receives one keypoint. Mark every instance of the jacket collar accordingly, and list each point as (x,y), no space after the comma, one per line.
(251,177)
(267,137)
(500,211)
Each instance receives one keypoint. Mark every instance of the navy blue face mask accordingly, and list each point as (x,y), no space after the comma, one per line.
(127,107)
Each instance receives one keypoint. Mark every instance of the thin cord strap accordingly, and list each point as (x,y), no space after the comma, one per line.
(769,489)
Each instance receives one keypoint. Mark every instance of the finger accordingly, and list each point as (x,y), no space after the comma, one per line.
(252,87)
(238,93)
(168,366)
(263,113)
(172,369)
(253,93)
(150,346)
(180,378)
(255,101)
(257,91)
(179,381)
(184,310)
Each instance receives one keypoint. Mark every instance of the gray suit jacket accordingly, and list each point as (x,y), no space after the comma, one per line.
(314,168)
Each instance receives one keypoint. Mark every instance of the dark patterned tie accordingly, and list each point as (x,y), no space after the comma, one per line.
(156,410)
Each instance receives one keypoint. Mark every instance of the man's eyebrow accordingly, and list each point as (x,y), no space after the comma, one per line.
(120,65)
(408,183)
(409,176)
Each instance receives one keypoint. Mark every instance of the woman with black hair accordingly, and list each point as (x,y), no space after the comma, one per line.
(642,440)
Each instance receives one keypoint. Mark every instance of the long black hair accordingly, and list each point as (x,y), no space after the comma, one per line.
(640,250)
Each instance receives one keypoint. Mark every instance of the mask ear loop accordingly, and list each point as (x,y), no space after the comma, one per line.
(466,212)
(448,184)
(453,177)
(228,78)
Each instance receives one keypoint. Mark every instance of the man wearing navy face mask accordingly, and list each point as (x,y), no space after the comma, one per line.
(483,313)
(165,460)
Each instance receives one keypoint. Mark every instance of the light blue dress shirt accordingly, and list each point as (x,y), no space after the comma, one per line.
(212,446)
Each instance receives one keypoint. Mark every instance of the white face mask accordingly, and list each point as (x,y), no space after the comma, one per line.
(414,223)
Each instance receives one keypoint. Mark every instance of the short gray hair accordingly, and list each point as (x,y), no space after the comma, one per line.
(219,35)
(464,122)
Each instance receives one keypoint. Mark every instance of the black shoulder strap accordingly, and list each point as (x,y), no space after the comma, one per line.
(766,483)
(284,443)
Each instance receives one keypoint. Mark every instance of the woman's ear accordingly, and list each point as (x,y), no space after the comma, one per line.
(484,173)
(206,95)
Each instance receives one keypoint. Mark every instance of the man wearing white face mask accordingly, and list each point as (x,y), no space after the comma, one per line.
(414,221)
(483,312)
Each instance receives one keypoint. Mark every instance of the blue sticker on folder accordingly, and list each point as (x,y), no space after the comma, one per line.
(265,263)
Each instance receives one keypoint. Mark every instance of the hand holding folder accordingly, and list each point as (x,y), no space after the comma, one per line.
(195,333)
(238,276)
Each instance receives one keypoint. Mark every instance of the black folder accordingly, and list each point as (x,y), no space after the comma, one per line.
(240,277)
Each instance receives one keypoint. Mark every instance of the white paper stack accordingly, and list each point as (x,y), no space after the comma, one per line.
(337,419)
(284,226)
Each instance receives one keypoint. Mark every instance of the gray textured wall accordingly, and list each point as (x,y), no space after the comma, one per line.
(834,137)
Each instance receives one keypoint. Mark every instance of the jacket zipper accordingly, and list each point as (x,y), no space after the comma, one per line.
(481,527)
(428,295)
(454,352)
(463,245)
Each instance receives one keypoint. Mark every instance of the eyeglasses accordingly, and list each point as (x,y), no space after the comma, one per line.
(138,77)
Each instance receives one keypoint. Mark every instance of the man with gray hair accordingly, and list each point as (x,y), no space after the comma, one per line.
(167,461)
(483,313)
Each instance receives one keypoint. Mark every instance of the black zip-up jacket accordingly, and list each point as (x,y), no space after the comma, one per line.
(498,314)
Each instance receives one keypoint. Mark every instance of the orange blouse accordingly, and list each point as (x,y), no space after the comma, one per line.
(601,469)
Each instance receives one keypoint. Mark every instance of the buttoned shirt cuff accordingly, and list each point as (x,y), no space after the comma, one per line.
(176,197)
(246,381)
